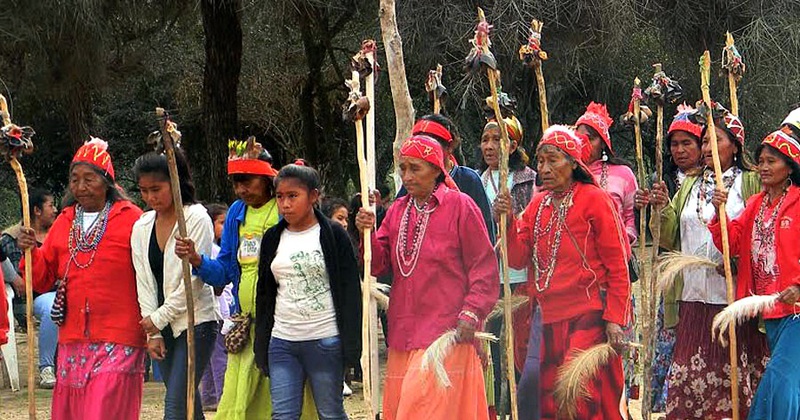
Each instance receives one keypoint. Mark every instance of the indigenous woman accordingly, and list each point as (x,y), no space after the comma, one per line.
(764,237)
(684,159)
(697,383)
(572,243)
(442,129)
(308,307)
(101,346)
(159,280)
(445,277)
(246,392)
(522,185)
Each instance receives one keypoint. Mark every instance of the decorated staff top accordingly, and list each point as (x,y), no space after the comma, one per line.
(508,106)
(629,118)
(532,53)
(663,89)
(434,85)
(480,53)
(155,140)
(14,140)
(356,106)
(732,62)
(359,61)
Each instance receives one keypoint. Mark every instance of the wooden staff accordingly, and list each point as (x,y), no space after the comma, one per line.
(705,81)
(11,156)
(171,138)
(435,88)
(484,56)
(532,55)
(355,110)
(733,65)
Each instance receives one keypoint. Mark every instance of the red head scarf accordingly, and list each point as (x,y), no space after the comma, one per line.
(95,153)
(596,116)
(568,141)
(429,150)
(682,122)
(785,144)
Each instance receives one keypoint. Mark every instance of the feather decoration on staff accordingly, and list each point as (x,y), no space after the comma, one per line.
(14,141)
(517,302)
(436,89)
(672,264)
(532,56)
(575,375)
(740,311)
(437,352)
(733,66)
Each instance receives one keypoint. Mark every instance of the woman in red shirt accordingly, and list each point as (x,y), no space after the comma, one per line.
(101,346)
(573,245)
(435,244)
(764,237)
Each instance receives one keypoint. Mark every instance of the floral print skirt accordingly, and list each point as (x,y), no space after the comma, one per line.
(699,385)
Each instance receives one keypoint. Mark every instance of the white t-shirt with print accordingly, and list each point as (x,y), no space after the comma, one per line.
(304,307)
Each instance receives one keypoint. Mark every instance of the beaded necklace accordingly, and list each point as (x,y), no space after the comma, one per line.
(766,229)
(407,257)
(705,190)
(86,240)
(557,218)
(604,176)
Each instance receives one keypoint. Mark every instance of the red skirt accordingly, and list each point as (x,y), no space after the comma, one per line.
(605,400)
(699,385)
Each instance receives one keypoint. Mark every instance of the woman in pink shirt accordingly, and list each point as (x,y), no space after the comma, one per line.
(435,244)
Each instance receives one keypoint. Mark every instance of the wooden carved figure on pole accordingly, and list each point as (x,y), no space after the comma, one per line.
(532,56)
(706,109)
(14,141)
(662,90)
(435,88)
(733,66)
(170,139)
(480,58)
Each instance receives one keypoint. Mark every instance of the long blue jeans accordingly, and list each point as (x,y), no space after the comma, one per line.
(48,331)
(174,370)
(319,361)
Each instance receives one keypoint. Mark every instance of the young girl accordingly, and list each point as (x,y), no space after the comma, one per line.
(308,304)
(159,279)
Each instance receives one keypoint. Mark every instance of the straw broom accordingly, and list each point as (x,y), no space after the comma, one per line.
(672,264)
(517,303)
(740,311)
(356,109)
(171,139)
(481,56)
(12,154)
(532,55)
(437,352)
(705,77)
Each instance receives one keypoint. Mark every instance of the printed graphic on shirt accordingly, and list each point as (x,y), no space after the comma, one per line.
(249,249)
(307,285)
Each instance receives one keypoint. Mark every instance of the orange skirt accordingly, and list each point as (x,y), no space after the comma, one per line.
(410,393)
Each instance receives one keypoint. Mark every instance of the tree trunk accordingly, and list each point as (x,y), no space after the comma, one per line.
(403,107)
(79,114)
(223,33)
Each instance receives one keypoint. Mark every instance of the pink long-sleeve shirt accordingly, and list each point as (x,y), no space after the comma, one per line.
(621,185)
(456,273)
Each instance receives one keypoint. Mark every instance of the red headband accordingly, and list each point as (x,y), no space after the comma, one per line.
(429,150)
(785,144)
(432,128)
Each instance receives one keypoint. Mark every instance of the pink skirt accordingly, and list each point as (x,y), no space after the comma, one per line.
(98,381)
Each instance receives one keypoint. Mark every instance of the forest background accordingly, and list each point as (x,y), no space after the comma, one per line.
(275,69)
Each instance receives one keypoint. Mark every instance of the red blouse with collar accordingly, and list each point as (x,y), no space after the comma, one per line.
(574,288)
(456,273)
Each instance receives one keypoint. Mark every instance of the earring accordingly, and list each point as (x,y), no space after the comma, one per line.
(605,156)
(735,158)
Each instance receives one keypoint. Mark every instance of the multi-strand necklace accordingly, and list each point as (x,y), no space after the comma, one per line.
(557,220)
(764,230)
(408,254)
(86,240)
(705,190)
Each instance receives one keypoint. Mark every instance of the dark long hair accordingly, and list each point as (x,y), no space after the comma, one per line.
(794,176)
(114,192)
(156,164)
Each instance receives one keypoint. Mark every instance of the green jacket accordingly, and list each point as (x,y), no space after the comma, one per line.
(671,234)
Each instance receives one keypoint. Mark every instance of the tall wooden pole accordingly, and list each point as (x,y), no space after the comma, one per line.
(171,138)
(434,87)
(733,65)
(26,222)
(705,81)
(533,56)
(482,42)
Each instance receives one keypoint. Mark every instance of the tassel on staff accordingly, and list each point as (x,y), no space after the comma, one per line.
(734,68)
(435,88)
(532,56)
(705,81)
(15,141)
(481,57)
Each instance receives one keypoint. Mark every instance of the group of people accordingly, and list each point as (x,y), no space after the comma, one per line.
(277,293)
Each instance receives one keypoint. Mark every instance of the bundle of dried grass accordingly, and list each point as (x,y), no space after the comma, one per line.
(672,264)
(739,312)
(380,292)
(517,302)
(575,375)
(439,350)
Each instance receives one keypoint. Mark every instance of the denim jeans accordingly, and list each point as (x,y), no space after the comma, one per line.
(174,369)
(48,331)
(319,361)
